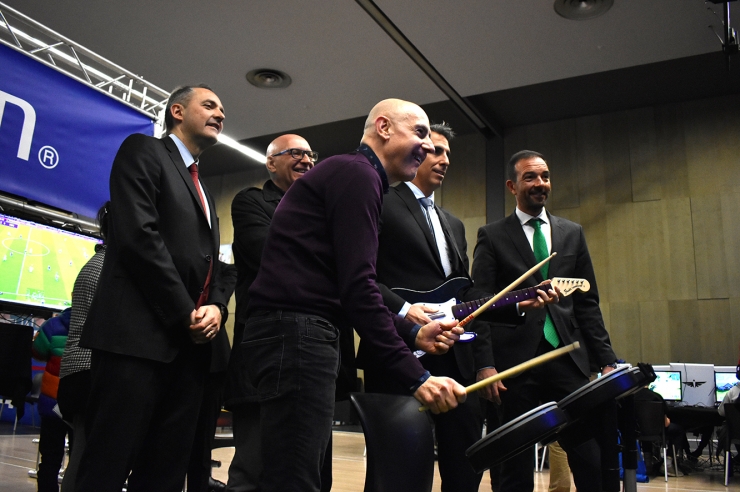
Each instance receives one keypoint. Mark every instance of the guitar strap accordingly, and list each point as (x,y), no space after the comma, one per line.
(447,227)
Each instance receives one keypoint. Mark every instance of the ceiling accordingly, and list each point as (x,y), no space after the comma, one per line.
(502,56)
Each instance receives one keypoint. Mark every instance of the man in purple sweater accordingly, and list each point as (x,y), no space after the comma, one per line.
(318,273)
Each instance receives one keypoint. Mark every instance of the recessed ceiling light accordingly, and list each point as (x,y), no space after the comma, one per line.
(582,9)
(267,78)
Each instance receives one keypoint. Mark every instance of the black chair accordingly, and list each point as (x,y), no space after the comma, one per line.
(732,436)
(400,446)
(651,428)
(15,365)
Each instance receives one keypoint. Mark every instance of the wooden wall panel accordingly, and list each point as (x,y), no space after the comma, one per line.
(557,142)
(684,325)
(644,165)
(709,248)
(615,130)
(515,140)
(671,146)
(625,330)
(735,331)
(714,337)
(730,204)
(680,270)
(620,277)
(655,332)
(649,260)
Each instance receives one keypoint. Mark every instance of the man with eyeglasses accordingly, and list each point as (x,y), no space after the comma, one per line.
(318,273)
(289,157)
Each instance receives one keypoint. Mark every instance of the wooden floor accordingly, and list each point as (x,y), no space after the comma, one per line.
(18,455)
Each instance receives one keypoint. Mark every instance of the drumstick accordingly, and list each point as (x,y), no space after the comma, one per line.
(518,369)
(501,294)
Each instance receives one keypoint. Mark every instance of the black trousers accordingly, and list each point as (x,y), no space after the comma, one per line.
(51,446)
(199,468)
(455,430)
(141,420)
(548,382)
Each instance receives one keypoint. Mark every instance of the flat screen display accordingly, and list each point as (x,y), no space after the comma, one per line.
(723,381)
(39,263)
(667,384)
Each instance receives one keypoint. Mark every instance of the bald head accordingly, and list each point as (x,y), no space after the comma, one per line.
(398,133)
(284,169)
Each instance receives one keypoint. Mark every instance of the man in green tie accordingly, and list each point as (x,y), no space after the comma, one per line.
(507,248)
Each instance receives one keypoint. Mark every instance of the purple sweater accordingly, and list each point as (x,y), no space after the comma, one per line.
(320,254)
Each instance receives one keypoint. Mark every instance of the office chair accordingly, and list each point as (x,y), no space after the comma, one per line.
(651,425)
(400,446)
(732,416)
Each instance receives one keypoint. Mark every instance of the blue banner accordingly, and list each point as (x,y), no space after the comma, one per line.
(58,137)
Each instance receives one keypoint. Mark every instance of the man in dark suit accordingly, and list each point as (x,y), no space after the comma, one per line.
(505,249)
(430,256)
(288,158)
(157,307)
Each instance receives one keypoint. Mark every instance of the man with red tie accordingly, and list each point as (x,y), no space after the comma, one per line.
(157,307)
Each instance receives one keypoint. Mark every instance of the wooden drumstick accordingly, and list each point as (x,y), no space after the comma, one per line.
(513,371)
(508,289)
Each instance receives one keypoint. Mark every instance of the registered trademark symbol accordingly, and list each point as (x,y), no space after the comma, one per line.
(48,157)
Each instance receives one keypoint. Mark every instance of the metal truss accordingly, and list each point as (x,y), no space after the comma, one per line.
(24,34)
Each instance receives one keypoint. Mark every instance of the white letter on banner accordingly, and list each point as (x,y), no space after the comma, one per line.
(29,122)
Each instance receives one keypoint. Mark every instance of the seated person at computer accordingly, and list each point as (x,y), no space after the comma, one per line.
(730,398)
(675,435)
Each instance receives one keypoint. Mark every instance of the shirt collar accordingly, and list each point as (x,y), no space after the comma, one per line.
(365,150)
(525,217)
(417,192)
(187,157)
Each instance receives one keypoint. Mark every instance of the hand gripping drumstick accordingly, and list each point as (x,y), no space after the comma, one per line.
(524,366)
(508,289)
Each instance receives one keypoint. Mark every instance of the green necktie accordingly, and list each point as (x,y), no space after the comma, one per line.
(540,253)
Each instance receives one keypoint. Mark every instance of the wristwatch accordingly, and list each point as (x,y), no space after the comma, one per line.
(613,365)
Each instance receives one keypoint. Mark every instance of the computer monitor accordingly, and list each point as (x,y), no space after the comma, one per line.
(668,385)
(697,381)
(723,381)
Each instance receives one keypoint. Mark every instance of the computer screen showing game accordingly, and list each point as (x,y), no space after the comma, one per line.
(667,384)
(39,263)
(723,381)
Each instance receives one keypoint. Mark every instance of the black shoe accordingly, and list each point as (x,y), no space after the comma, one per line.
(216,485)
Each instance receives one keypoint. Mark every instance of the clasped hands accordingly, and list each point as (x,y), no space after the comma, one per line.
(204,323)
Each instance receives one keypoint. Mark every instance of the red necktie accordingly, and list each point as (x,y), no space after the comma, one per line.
(207,287)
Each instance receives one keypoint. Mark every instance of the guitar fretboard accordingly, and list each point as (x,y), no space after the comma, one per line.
(460,311)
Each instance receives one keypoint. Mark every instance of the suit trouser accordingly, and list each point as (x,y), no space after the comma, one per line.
(141,419)
(293,361)
(199,468)
(548,382)
(51,446)
(455,431)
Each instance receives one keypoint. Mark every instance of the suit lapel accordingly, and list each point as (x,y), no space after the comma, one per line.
(557,236)
(521,244)
(405,193)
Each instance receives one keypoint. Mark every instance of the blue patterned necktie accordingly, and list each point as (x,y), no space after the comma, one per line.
(539,245)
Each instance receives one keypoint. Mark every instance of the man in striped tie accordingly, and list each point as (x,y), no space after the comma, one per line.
(505,249)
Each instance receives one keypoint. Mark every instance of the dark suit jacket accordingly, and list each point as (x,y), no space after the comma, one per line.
(408,257)
(251,212)
(159,251)
(503,253)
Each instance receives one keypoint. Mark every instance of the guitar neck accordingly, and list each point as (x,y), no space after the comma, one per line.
(460,311)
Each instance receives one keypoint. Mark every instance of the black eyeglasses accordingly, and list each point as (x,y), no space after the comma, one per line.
(298,154)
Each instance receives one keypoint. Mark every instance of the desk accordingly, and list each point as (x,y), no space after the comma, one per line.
(694,418)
